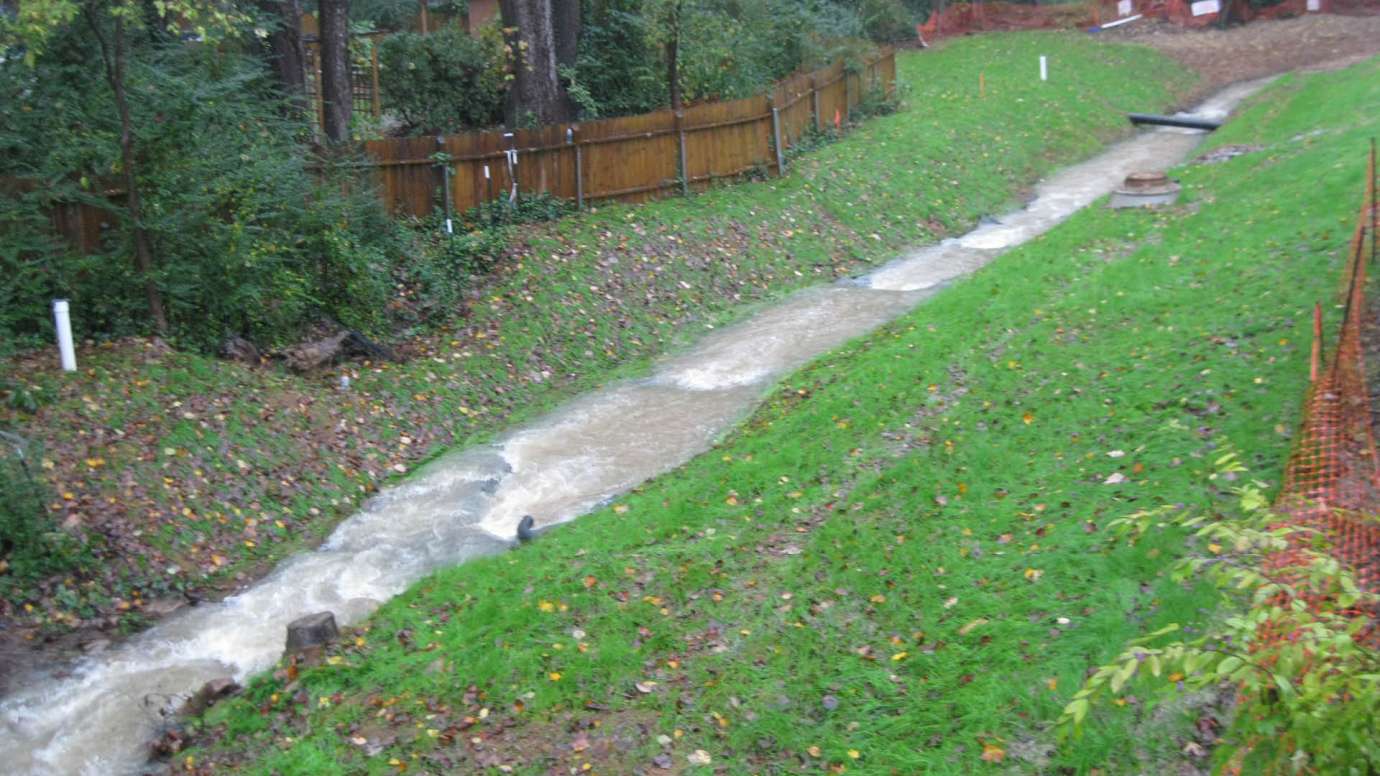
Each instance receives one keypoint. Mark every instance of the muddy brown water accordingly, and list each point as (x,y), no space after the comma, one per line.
(98,717)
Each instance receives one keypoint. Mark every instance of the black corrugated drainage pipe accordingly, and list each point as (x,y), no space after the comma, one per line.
(1187,122)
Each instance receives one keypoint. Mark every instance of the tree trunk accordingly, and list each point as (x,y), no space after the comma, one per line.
(335,70)
(286,53)
(143,246)
(673,56)
(537,95)
(566,23)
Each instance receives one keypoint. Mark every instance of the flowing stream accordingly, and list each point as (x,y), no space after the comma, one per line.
(96,718)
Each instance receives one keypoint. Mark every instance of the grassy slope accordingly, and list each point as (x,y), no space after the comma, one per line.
(892,587)
(203,466)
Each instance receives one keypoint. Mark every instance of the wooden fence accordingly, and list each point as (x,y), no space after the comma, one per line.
(631,158)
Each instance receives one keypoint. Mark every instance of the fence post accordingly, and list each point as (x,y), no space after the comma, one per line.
(684,165)
(847,96)
(814,101)
(444,163)
(579,169)
(776,135)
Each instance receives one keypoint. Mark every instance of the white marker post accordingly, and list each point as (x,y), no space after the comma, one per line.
(63,321)
(1044,68)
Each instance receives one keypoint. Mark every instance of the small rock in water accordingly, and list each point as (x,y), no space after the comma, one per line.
(525,532)
(169,742)
(313,630)
(163,607)
(209,693)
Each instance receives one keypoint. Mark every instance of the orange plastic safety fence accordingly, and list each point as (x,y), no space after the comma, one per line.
(1332,480)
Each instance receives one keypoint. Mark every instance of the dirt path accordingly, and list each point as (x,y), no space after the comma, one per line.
(1260,48)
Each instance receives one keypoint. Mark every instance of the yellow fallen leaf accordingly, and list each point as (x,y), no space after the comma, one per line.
(554,676)
(898,657)
(992,753)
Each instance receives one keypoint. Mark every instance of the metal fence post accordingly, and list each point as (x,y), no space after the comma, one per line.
(684,163)
(776,136)
(814,102)
(847,96)
(579,169)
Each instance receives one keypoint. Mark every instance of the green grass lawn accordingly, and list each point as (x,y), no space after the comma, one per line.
(192,472)
(897,565)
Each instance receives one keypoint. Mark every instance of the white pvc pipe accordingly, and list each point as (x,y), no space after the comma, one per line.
(1120,22)
(1044,68)
(63,320)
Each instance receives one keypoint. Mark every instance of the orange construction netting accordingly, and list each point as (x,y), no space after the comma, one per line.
(1330,482)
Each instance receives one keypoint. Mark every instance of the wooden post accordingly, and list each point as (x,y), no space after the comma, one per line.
(814,102)
(424,20)
(776,137)
(684,164)
(374,66)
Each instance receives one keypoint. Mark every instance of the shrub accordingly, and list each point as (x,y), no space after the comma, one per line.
(443,82)
(30,546)
(526,209)
(252,235)
(1312,696)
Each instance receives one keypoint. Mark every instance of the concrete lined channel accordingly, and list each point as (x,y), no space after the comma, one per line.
(98,718)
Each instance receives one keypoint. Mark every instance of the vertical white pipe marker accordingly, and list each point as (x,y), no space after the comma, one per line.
(63,321)
(1044,68)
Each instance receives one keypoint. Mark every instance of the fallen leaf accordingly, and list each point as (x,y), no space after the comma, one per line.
(992,753)
(978,623)
(699,757)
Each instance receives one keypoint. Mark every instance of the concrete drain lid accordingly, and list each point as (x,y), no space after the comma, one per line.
(1145,189)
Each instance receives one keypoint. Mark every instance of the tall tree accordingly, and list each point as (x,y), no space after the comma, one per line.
(110,22)
(566,22)
(537,95)
(336,102)
(665,24)
(286,54)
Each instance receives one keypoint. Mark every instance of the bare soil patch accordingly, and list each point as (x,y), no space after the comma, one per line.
(1260,48)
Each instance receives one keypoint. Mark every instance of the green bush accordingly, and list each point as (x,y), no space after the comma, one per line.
(443,82)
(886,20)
(30,545)
(251,233)
(526,209)
(1310,695)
